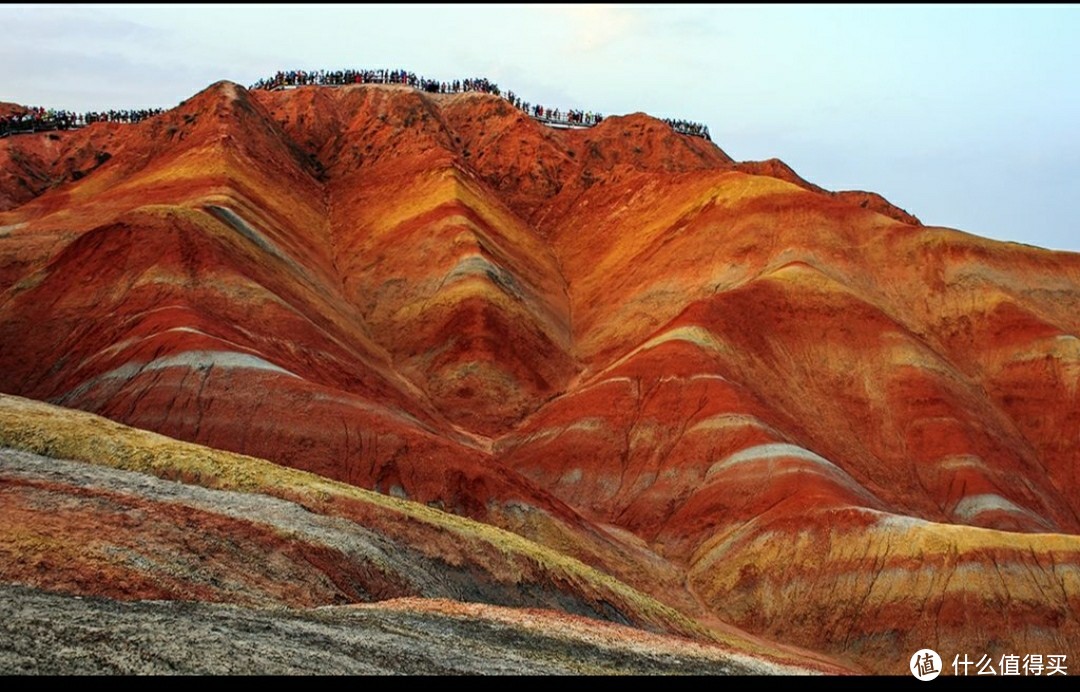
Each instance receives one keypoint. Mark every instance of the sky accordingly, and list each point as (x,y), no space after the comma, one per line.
(967,116)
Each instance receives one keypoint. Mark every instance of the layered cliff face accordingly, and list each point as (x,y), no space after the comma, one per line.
(771,407)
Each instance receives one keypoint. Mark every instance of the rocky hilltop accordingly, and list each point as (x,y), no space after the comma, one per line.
(609,373)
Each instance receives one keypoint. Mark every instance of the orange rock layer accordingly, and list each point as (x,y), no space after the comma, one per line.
(793,411)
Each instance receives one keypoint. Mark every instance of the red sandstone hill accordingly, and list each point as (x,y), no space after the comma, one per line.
(782,412)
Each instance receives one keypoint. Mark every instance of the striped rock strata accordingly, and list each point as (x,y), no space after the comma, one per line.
(771,407)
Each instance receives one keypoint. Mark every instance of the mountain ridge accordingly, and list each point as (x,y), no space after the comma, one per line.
(616,342)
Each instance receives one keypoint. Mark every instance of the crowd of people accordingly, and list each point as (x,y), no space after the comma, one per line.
(551,116)
(38,119)
(295,78)
(687,127)
(544,114)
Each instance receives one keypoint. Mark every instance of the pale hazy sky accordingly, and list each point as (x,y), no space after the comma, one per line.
(967,116)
